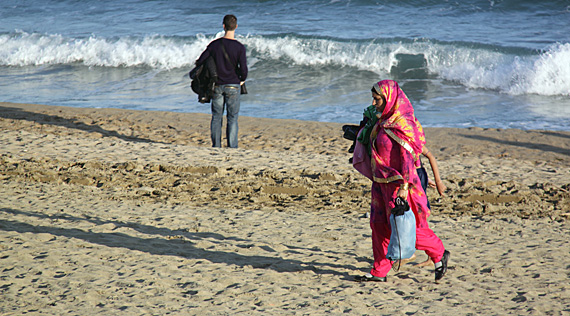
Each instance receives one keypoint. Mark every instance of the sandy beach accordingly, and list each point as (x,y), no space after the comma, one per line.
(108,212)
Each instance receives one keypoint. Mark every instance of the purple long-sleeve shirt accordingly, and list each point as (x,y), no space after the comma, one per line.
(227,74)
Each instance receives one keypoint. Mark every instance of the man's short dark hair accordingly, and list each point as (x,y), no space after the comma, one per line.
(230,22)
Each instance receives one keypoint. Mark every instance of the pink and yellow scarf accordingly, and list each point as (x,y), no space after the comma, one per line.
(397,122)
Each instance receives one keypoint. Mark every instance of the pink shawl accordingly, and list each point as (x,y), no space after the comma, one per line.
(397,123)
(397,142)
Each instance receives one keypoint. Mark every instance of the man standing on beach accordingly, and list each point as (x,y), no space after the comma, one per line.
(231,66)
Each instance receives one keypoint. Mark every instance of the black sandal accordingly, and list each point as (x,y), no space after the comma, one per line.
(442,269)
(369,278)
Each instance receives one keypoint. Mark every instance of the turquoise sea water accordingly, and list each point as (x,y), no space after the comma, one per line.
(500,64)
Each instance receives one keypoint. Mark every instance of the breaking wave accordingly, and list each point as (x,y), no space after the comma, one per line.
(515,71)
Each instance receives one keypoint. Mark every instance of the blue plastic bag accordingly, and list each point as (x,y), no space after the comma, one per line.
(403,237)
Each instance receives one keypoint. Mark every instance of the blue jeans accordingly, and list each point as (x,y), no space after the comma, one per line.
(227,95)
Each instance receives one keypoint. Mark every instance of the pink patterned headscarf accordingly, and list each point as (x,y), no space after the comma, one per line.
(398,117)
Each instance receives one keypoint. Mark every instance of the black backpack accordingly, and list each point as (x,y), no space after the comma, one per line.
(204,77)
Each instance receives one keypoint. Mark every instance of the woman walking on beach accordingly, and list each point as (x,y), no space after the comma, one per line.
(396,141)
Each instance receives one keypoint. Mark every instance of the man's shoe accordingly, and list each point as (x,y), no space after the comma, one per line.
(369,278)
(441,267)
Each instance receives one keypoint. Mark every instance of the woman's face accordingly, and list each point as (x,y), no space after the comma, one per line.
(379,102)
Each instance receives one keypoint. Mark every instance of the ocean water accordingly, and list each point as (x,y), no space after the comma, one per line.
(486,63)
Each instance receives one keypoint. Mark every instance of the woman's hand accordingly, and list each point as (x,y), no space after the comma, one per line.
(403,192)
(441,187)
(437,185)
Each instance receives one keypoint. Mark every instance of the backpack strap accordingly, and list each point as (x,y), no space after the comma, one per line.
(228,57)
(226,54)
(236,69)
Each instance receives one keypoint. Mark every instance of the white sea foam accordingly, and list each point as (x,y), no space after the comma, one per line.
(475,67)
(23,49)
(550,74)
(544,74)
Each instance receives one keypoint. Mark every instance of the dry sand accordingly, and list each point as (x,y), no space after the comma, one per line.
(128,212)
